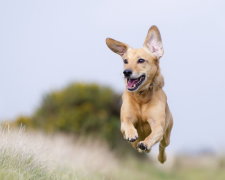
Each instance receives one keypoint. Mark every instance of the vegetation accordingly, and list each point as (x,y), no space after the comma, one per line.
(37,156)
(81,109)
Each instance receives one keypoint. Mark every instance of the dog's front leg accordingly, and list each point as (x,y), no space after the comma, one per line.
(128,119)
(157,124)
(128,130)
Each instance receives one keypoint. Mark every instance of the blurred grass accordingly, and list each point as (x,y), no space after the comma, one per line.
(15,166)
(19,167)
(144,170)
(32,155)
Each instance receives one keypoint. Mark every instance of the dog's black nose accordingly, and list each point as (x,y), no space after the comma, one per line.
(127,72)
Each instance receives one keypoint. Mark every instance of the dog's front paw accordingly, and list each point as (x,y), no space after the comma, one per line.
(143,147)
(130,135)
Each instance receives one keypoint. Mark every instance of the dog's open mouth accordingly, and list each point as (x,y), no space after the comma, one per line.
(133,84)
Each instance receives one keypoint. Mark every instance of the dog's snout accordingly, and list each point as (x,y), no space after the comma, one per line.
(127,72)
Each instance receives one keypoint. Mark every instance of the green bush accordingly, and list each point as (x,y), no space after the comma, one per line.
(82,109)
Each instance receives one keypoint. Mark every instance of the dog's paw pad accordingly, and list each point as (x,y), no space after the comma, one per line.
(130,135)
(132,139)
(142,147)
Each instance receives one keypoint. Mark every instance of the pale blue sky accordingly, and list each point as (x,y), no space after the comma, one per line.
(46,44)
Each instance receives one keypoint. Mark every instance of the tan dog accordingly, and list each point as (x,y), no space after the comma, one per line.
(145,115)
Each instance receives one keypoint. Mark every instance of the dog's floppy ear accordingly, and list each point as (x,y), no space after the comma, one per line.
(153,42)
(116,46)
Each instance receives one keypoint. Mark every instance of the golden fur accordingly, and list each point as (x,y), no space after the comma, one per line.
(145,115)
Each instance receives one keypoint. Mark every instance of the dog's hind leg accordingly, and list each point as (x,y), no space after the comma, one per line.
(162,153)
(163,144)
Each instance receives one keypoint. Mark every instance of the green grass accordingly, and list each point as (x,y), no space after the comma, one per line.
(20,159)
(15,166)
(135,170)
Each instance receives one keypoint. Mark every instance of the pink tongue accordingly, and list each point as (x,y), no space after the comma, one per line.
(131,82)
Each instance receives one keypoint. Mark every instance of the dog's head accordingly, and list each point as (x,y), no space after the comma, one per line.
(140,65)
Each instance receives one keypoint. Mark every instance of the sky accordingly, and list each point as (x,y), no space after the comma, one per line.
(46,44)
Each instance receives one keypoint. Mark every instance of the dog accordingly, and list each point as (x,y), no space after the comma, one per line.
(145,115)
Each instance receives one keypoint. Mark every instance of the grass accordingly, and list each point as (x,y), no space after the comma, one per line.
(15,166)
(37,156)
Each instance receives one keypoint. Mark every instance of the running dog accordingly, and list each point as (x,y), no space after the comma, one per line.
(145,115)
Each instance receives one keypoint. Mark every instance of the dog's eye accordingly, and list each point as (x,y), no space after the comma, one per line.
(125,61)
(141,60)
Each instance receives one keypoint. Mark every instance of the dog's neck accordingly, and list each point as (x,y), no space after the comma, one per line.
(145,95)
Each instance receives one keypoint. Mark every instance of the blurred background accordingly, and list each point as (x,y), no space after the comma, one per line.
(59,80)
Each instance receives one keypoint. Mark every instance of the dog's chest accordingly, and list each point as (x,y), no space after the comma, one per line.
(142,124)
(142,113)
